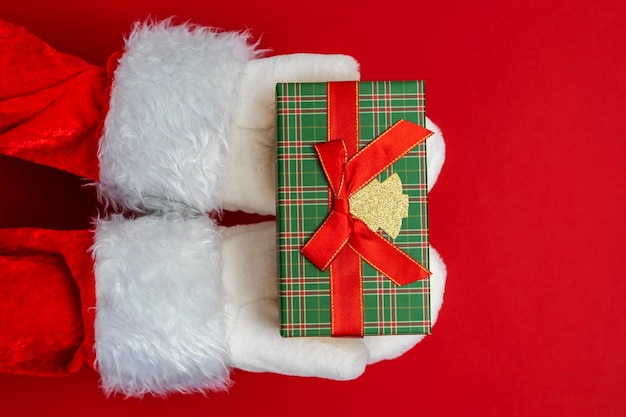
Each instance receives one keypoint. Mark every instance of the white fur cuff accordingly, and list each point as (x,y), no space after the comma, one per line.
(159,322)
(165,135)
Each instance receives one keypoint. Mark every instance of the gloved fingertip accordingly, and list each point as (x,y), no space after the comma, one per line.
(436,153)
(389,347)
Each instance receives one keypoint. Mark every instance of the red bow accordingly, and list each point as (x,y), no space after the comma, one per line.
(346,177)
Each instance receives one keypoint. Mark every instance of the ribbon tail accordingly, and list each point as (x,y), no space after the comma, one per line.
(383,152)
(328,240)
(384,256)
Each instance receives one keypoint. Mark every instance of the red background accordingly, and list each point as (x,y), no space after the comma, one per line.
(528,212)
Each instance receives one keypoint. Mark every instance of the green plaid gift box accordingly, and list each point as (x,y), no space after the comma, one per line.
(302,206)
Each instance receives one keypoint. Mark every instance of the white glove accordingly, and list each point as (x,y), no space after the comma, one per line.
(250,251)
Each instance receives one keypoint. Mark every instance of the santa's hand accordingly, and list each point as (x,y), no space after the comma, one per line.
(390,347)
(250,170)
(252,315)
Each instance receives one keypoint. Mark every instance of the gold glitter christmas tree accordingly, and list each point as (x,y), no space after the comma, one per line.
(381,205)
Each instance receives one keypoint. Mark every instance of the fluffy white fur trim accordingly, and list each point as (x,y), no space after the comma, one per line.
(165,135)
(159,324)
(253,317)
(250,171)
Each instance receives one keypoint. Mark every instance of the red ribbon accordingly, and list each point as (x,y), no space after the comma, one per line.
(342,240)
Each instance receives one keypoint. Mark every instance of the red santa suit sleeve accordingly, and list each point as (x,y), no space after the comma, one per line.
(51,113)
(47,300)
(140,298)
(51,104)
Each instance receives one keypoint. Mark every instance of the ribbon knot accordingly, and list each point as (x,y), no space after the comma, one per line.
(341,205)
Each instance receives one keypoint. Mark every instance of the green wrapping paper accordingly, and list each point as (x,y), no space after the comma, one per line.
(302,206)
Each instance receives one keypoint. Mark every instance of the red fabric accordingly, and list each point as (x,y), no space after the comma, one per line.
(346,294)
(51,113)
(50,104)
(343,113)
(52,108)
(47,301)
(346,281)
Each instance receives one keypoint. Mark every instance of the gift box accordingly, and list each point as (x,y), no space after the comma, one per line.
(352,208)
